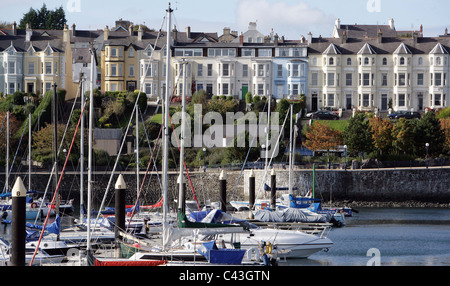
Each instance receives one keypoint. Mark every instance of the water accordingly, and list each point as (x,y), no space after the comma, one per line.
(401,237)
(388,237)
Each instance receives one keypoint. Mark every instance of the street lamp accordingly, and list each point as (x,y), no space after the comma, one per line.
(426,158)
(204,159)
(345,153)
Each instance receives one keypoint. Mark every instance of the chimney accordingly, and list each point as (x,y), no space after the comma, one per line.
(391,24)
(226,31)
(74,31)
(130,30)
(380,36)
(188,32)
(106,33)
(302,39)
(241,39)
(446,32)
(337,23)
(174,35)
(140,33)
(275,40)
(28,33)
(14,29)
(309,38)
(344,37)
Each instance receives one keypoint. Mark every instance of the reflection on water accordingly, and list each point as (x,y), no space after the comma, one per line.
(403,237)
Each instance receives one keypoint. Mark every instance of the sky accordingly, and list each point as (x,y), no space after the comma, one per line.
(289,18)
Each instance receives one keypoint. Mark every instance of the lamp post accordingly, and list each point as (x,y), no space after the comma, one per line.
(345,153)
(204,158)
(426,158)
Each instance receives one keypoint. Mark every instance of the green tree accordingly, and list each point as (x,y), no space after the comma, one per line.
(428,130)
(357,135)
(382,135)
(403,134)
(44,19)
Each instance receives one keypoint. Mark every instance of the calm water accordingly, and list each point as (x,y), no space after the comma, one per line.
(401,236)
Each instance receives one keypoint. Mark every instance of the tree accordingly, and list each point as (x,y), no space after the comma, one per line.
(403,134)
(44,19)
(357,135)
(320,136)
(428,130)
(382,135)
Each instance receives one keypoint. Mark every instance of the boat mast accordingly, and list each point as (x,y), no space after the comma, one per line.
(29,151)
(181,194)
(7,152)
(290,150)
(90,131)
(166,124)
(82,150)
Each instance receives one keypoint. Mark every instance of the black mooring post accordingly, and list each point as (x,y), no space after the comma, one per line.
(119,207)
(18,232)
(223,191)
(273,190)
(251,194)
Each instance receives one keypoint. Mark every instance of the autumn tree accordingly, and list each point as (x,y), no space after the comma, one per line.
(381,134)
(320,136)
(403,134)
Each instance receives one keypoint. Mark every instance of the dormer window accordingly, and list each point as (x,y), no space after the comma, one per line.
(384,62)
(331,61)
(438,61)
(349,61)
(366,61)
(402,61)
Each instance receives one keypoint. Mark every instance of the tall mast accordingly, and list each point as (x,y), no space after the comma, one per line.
(166,123)
(90,131)
(181,195)
(83,100)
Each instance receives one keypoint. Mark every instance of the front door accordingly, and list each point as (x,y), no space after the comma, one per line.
(314,102)
(384,102)
(279,91)
(30,87)
(244,90)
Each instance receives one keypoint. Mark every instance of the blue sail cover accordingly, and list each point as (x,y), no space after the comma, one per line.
(54,227)
(223,255)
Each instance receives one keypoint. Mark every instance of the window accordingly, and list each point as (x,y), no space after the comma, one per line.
(348,79)
(349,61)
(245,70)
(265,52)
(260,70)
(314,79)
(30,68)
(225,69)
(330,99)
(199,70)
(366,79)
(148,88)
(260,89)
(401,99)
(248,52)
(48,68)
(331,61)
(384,79)
(384,62)
(48,86)
(218,52)
(131,53)
(12,88)
(366,61)
(279,70)
(402,61)
(295,89)
(113,71)
(420,79)
(225,89)
(330,79)
(438,61)
(12,67)
(295,70)
(437,99)
(131,70)
(210,66)
(420,61)
(314,62)
(55,68)
(401,79)
(113,53)
(366,99)
(438,79)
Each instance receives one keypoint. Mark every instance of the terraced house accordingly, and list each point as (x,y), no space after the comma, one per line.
(376,67)
(360,67)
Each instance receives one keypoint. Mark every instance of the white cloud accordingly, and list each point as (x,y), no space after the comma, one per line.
(291,20)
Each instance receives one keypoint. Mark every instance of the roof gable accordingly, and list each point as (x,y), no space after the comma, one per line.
(402,49)
(439,49)
(332,50)
(367,49)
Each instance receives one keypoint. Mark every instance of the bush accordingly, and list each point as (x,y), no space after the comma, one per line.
(248,97)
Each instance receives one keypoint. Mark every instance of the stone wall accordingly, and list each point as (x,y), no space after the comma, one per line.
(425,185)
